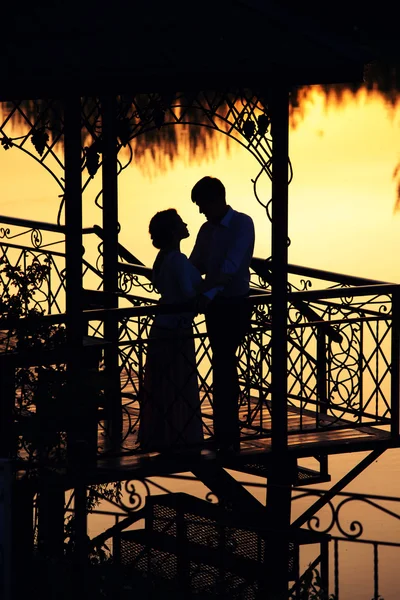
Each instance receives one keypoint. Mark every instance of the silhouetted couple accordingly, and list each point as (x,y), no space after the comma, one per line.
(170,409)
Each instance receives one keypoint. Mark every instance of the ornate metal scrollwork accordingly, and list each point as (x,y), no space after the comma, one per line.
(336,523)
(36,238)
(5,232)
(128,281)
(135,498)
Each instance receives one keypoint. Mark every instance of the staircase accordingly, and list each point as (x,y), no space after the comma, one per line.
(193,548)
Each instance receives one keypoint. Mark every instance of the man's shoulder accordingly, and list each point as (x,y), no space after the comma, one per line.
(242,218)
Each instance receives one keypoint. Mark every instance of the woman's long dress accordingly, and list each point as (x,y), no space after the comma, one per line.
(170,417)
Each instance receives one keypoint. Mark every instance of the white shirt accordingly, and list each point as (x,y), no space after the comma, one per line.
(223,252)
(177,280)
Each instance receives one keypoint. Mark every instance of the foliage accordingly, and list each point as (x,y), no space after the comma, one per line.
(311,587)
(92,158)
(43,387)
(96,493)
(39,391)
(39,139)
(6,142)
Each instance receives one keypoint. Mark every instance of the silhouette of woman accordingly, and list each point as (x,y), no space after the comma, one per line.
(170,417)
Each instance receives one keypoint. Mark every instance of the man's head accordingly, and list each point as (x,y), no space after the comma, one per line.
(209,195)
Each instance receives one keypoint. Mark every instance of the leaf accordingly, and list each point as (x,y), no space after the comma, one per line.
(92,159)
(263,122)
(248,128)
(39,139)
(6,142)
(158,117)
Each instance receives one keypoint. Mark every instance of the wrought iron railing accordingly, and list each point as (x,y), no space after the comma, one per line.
(24,243)
(344,364)
(364,537)
(343,345)
(362,533)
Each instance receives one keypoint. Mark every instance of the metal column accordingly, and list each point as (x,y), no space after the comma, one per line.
(74,304)
(110,262)
(282,470)
(280,151)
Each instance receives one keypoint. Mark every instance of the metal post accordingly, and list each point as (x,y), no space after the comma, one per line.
(110,261)
(7,402)
(73,217)
(6,533)
(74,304)
(73,263)
(281,473)
(395,377)
(279,107)
(325,566)
(278,509)
(51,502)
(22,542)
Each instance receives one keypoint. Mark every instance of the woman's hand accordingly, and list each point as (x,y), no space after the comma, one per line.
(201,303)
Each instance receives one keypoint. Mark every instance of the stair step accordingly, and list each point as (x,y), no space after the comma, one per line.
(193,544)
(167,512)
(181,555)
(305,476)
(168,572)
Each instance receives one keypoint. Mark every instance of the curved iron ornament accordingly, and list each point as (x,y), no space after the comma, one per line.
(352,530)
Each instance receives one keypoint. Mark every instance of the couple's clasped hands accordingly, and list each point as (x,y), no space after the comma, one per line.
(200,303)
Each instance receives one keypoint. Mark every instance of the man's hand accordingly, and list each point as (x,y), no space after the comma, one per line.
(201,303)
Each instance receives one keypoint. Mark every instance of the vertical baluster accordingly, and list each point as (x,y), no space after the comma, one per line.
(376,573)
(322,400)
(116,544)
(325,566)
(360,370)
(110,261)
(395,380)
(336,568)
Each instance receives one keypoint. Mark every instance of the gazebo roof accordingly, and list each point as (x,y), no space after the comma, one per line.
(92,48)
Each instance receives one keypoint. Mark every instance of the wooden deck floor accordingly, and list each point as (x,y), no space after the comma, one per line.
(304,440)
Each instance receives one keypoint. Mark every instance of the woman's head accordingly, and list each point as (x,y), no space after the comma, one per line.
(167,229)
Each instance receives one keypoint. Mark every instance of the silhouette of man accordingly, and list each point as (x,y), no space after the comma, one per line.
(223,251)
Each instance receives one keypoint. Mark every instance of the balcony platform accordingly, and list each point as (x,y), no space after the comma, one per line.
(255,455)
(309,435)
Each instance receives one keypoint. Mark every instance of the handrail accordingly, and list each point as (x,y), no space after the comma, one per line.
(362,290)
(135,269)
(332,276)
(342,278)
(123,252)
(39,224)
(32,224)
(101,313)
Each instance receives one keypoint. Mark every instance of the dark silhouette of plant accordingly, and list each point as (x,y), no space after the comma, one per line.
(312,588)
(39,391)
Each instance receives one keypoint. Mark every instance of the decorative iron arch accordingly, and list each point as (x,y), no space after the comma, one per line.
(242,115)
